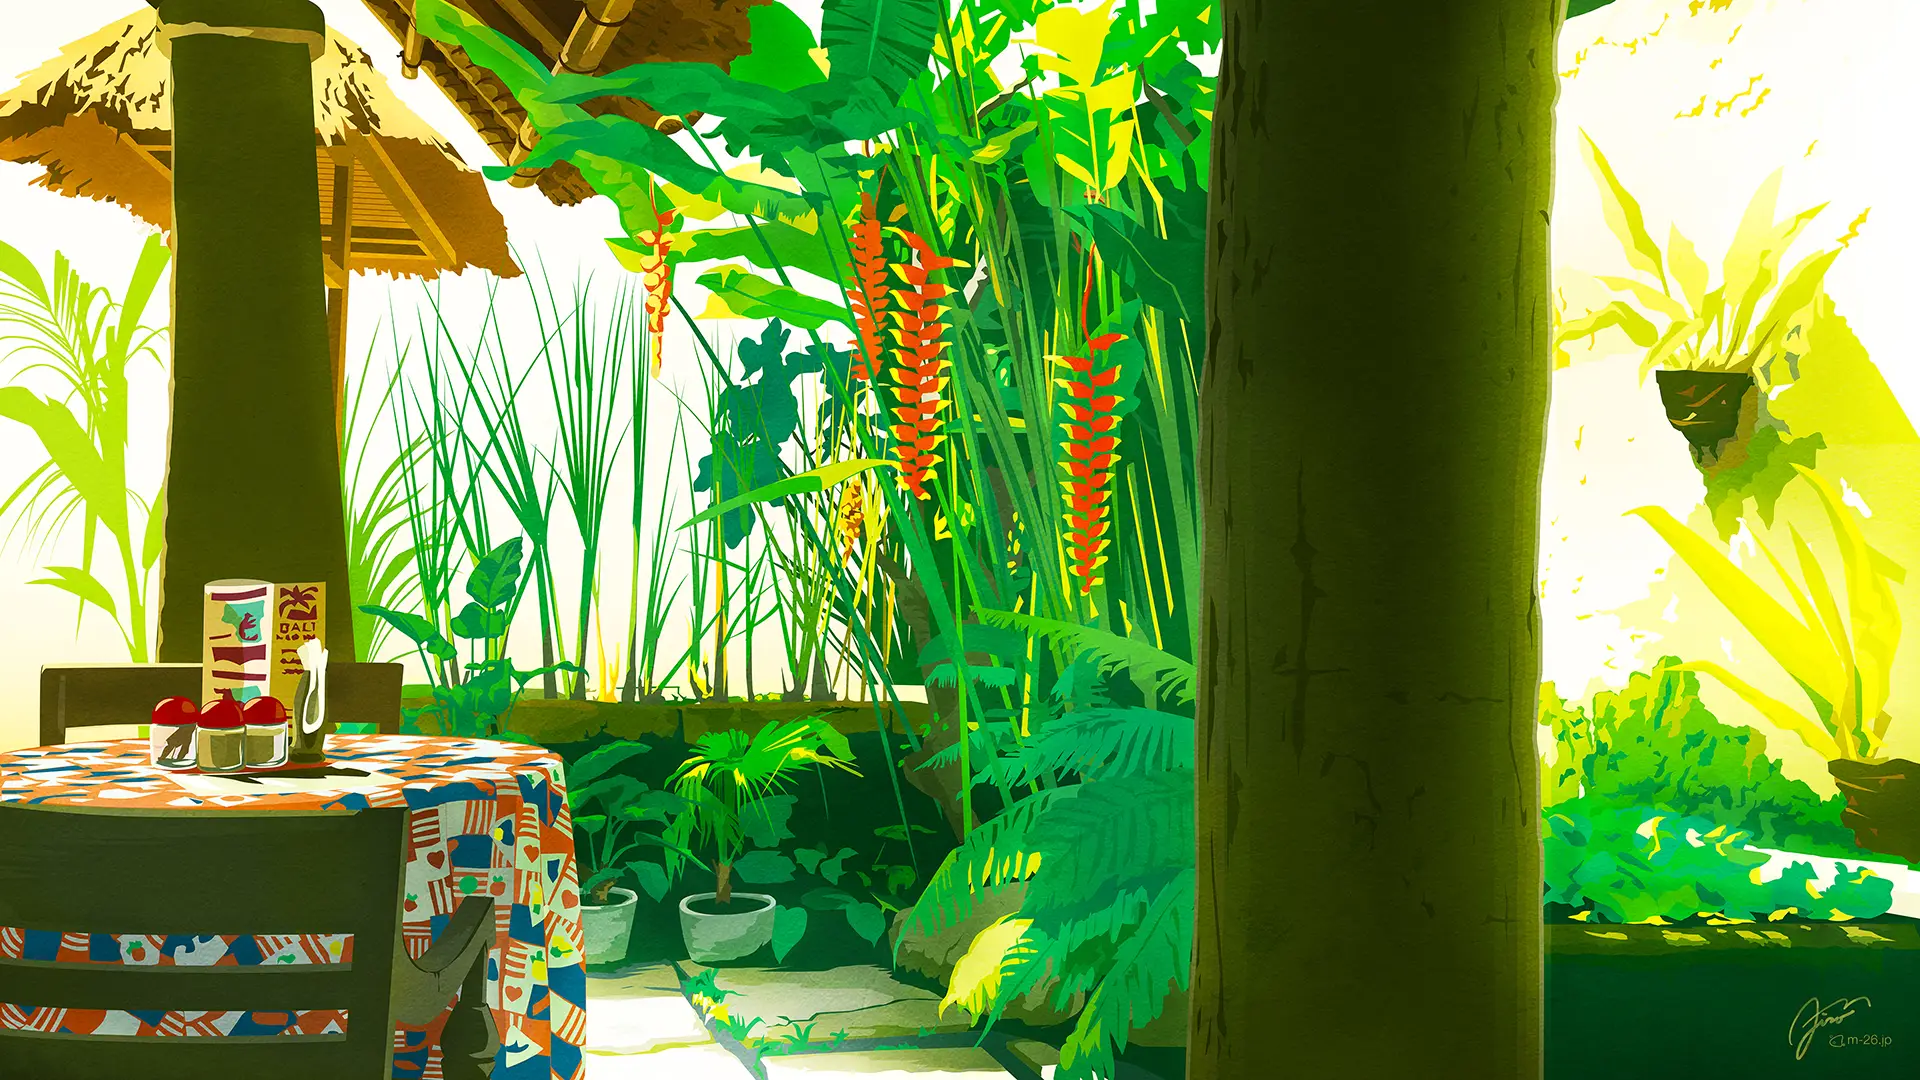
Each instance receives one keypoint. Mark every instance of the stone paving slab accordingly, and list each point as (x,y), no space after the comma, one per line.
(958,1063)
(641,1013)
(862,1001)
(710,1061)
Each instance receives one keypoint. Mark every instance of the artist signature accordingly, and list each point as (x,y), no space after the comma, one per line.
(1813,1016)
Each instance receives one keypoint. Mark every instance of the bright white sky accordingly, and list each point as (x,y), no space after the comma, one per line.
(1835,111)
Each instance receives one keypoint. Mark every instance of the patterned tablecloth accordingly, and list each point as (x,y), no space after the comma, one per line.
(487,818)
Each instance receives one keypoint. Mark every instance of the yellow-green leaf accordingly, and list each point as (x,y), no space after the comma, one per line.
(1777,712)
(1072,42)
(1689,269)
(1651,299)
(1802,650)
(1873,615)
(1622,212)
(975,984)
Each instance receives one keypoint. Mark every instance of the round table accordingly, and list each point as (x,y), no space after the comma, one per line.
(485,818)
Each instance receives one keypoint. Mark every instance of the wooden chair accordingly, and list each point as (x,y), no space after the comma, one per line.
(217,872)
(87,695)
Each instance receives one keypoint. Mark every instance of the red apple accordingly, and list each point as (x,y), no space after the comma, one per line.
(224,713)
(264,711)
(176,711)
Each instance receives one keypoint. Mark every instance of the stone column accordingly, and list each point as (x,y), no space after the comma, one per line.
(253,476)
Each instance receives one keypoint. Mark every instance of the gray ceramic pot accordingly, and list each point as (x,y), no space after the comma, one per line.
(737,933)
(605,929)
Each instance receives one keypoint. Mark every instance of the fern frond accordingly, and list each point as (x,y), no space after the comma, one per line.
(1148,966)
(1109,743)
(997,852)
(1171,675)
(1118,833)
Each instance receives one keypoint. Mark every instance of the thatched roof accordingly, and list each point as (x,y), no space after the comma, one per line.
(586,37)
(99,119)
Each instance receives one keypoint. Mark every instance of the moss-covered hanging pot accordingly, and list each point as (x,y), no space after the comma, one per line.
(1704,406)
(1883,804)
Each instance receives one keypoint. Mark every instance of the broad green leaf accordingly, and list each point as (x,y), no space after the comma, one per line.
(791,247)
(599,761)
(782,52)
(1622,212)
(813,480)
(614,149)
(867,920)
(1166,272)
(416,629)
(519,70)
(82,584)
(763,868)
(496,577)
(885,42)
(736,292)
(653,879)
(789,926)
(996,147)
(1802,650)
(828,899)
(476,623)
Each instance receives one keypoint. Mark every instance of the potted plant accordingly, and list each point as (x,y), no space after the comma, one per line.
(1716,353)
(611,811)
(1842,663)
(724,786)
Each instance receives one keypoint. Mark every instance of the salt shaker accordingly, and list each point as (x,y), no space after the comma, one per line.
(222,737)
(266,740)
(170,735)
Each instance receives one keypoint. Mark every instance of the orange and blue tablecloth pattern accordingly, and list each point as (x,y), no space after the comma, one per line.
(485,818)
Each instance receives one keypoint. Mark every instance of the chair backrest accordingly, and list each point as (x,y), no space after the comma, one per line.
(86,695)
(203,873)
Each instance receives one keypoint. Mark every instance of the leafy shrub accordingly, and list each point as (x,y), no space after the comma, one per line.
(1635,863)
(1654,744)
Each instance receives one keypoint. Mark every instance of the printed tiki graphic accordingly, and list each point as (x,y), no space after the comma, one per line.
(254,630)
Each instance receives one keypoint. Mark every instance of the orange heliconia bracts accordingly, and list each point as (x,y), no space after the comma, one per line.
(919,363)
(867,296)
(659,279)
(1092,446)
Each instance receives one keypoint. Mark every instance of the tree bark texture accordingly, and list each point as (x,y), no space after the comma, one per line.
(1373,415)
(253,468)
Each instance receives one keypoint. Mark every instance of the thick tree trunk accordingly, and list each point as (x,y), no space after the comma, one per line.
(1372,425)
(253,467)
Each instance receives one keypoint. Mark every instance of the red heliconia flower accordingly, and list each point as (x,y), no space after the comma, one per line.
(919,363)
(659,280)
(1092,444)
(867,296)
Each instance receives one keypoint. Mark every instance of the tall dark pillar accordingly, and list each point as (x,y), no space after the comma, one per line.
(253,477)
(1372,417)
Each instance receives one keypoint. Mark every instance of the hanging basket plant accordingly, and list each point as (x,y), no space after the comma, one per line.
(1706,406)
(1883,804)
